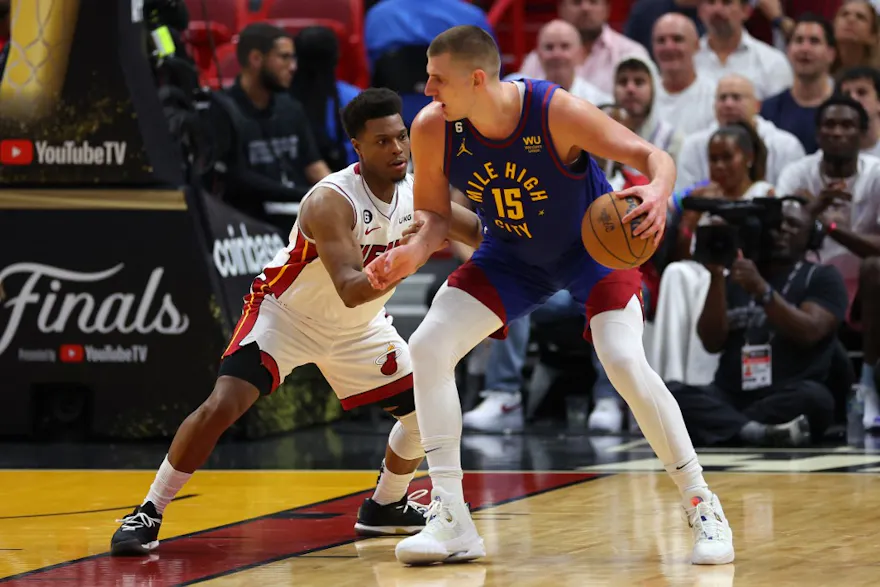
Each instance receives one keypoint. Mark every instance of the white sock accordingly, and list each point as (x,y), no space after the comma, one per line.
(166,485)
(617,336)
(391,487)
(454,325)
(688,476)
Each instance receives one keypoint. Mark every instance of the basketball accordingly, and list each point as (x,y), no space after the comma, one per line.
(607,240)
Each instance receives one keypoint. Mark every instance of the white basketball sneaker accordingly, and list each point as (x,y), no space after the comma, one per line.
(449,536)
(607,416)
(713,538)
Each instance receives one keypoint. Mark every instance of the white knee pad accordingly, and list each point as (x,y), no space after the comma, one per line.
(405,440)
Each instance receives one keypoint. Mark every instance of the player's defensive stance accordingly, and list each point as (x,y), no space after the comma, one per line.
(314,304)
(517,151)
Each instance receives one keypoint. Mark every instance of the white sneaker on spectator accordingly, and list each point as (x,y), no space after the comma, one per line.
(871,417)
(606,417)
(498,412)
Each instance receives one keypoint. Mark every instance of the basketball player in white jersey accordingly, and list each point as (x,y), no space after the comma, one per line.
(314,304)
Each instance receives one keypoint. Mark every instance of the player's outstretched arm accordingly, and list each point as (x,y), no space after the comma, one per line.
(328,218)
(430,198)
(575,123)
(465,226)
(430,186)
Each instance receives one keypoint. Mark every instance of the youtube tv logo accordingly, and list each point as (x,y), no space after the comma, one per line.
(72,353)
(16,152)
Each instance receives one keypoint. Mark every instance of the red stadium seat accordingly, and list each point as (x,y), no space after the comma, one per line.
(211,22)
(348,13)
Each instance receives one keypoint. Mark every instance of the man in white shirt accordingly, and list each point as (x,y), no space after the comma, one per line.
(634,83)
(604,47)
(845,185)
(735,101)
(683,99)
(862,84)
(560,50)
(728,48)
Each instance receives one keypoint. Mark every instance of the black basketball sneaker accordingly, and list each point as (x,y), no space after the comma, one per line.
(404,517)
(139,532)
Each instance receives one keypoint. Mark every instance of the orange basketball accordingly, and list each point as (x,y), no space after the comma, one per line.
(607,240)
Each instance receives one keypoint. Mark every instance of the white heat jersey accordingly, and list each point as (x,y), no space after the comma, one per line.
(296,277)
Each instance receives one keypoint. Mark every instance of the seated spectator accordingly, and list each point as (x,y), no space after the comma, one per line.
(728,48)
(738,159)
(683,98)
(560,51)
(846,188)
(323,96)
(737,167)
(862,84)
(267,156)
(856,30)
(604,47)
(634,83)
(735,102)
(392,24)
(775,327)
(644,15)
(811,51)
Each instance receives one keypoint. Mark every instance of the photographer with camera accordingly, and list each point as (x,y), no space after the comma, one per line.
(844,185)
(773,318)
(737,166)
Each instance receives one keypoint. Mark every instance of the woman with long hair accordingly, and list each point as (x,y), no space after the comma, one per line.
(856,30)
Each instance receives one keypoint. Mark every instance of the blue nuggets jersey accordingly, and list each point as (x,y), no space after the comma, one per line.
(529,200)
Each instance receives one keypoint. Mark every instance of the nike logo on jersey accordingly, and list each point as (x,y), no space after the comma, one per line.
(369,230)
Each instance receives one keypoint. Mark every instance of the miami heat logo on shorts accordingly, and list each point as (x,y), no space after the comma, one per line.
(388,362)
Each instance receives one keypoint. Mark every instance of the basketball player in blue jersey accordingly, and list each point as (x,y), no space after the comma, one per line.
(517,150)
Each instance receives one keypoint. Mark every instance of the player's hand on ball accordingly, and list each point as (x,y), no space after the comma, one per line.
(653,207)
(392,266)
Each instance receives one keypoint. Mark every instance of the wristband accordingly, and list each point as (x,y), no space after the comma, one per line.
(776,23)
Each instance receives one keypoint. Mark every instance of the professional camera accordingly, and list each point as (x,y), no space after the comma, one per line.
(749,226)
(177,79)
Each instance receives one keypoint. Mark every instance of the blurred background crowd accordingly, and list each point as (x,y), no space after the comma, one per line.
(755,99)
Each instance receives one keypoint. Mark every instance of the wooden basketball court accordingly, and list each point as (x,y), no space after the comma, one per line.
(799,518)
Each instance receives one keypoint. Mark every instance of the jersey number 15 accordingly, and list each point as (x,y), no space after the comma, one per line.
(508,202)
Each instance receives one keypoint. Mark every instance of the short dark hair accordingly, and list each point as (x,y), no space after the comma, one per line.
(860,72)
(260,36)
(810,18)
(470,43)
(632,64)
(749,142)
(370,104)
(839,99)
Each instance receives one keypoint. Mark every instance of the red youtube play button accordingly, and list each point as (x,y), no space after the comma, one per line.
(16,152)
(71,353)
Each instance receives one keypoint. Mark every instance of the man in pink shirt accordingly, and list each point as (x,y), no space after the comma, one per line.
(604,47)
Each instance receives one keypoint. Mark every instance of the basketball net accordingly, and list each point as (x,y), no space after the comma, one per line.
(39,46)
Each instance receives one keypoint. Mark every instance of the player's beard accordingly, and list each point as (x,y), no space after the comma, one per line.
(269,81)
